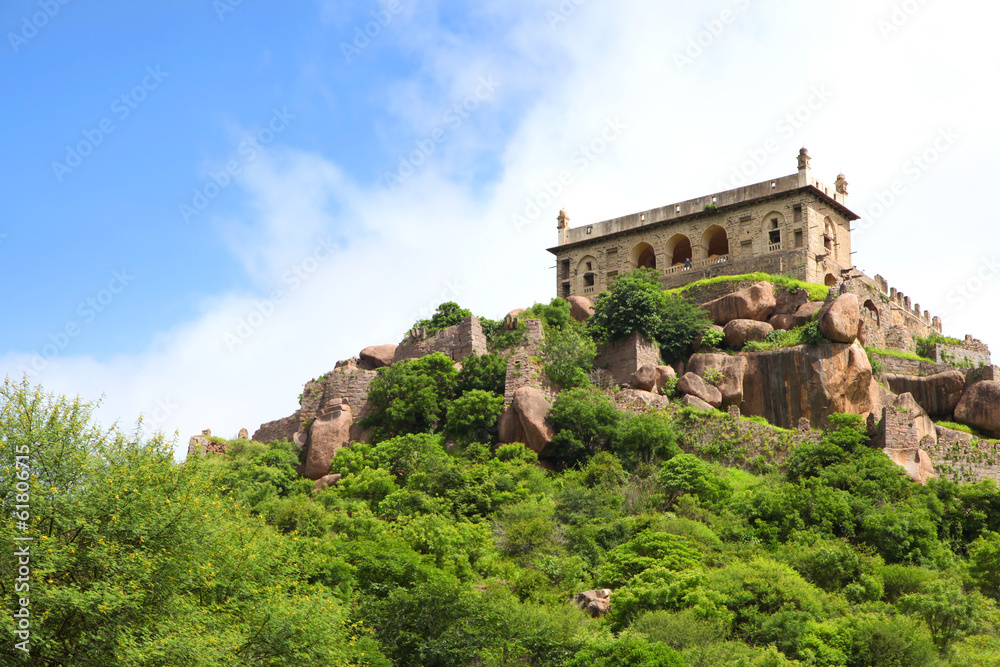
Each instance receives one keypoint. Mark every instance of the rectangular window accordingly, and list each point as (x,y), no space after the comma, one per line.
(746,246)
(775,236)
(797,213)
(565,290)
(564,269)
(588,280)
(590,266)
(798,238)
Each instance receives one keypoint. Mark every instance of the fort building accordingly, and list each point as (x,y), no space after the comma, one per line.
(794,225)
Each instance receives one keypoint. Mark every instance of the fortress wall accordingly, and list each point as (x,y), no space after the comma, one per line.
(456,342)
(623,358)
(964,457)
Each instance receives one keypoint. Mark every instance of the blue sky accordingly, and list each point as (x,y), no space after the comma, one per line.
(374,176)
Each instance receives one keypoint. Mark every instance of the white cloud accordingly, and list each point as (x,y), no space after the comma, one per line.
(437,237)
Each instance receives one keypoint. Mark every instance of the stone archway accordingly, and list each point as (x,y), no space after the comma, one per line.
(643,256)
(715,241)
(831,280)
(679,249)
(870,306)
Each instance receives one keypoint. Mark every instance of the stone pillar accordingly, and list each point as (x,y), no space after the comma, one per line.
(804,167)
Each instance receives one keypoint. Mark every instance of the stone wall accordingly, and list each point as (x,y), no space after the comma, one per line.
(971,352)
(898,366)
(523,367)
(791,263)
(623,358)
(897,430)
(279,429)
(456,342)
(965,458)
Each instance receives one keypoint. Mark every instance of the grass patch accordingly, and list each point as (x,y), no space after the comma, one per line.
(763,422)
(954,426)
(807,334)
(899,354)
(816,292)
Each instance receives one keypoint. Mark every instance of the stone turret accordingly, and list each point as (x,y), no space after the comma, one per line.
(563,226)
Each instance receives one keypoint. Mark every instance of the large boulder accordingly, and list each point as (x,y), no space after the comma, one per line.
(378,356)
(695,385)
(325,481)
(730,385)
(509,427)
(696,403)
(980,407)
(663,374)
(807,311)
(810,382)
(596,603)
(740,332)
(637,399)
(839,322)
(329,433)
(531,407)
(756,302)
(916,462)
(937,394)
(645,378)
(580,308)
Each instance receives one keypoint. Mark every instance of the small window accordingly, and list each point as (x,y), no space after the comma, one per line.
(775,236)
(565,289)
(588,280)
(797,213)
(774,223)
(590,266)
(611,252)
(798,238)
(564,269)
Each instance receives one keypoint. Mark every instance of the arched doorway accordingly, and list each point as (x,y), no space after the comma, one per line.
(679,249)
(643,256)
(873,311)
(715,241)
(587,270)
(831,280)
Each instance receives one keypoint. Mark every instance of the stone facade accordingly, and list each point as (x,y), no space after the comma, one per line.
(523,367)
(623,358)
(458,342)
(971,353)
(794,225)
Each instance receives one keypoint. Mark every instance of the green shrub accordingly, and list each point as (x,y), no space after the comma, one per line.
(712,338)
(448,314)
(927,347)
(685,474)
(568,354)
(585,421)
(646,437)
(410,396)
(626,651)
(487,372)
(472,417)
(646,550)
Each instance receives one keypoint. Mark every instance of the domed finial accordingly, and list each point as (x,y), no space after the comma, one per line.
(563,220)
(841,184)
(803,159)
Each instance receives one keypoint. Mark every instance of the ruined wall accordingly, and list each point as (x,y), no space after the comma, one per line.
(456,342)
(623,358)
(965,458)
(524,369)
(898,366)
(971,353)
(279,429)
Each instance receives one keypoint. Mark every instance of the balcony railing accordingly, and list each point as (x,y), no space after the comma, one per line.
(774,247)
(696,264)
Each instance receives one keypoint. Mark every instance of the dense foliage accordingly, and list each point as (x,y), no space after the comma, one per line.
(431,554)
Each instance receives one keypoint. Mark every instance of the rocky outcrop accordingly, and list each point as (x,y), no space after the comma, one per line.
(580,308)
(919,421)
(243,434)
(638,400)
(325,481)
(810,382)
(732,368)
(756,302)
(979,407)
(596,603)
(330,432)
(696,403)
(695,385)
(378,356)
(740,332)
(529,409)
(916,462)
(645,378)
(937,394)
(839,322)
(663,374)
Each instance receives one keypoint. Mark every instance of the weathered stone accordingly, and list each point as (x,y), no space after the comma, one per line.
(624,357)
(811,382)
(839,322)
(695,385)
(732,369)
(937,394)
(645,378)
(243,434)
(279,429)
(916,462)
(919,420)
(694,402)
(510,426)
(806,312)
(202,444)
(632,399)
(698,342)
(581,308)
(378,355)
(532,407)
(511,319)
(328,434)
(782,322)
(740,332)
(980,407)
(663,374)
(756,302)
(325,481)
(596,603)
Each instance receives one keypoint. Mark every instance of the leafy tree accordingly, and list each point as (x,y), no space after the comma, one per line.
(626,651)
(682,322)
(554,315)
(584,421)
(473,416)
(950,613)
(646,437)
(486,373)
(568,354)
(685,474)
(411,396)
(984,564)
(646,550)
(448,314)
